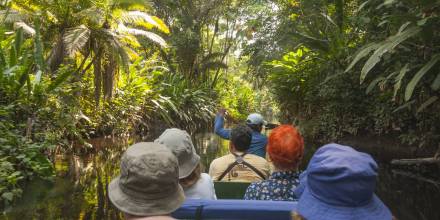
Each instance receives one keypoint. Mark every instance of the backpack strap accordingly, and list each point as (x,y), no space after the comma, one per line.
(239,160)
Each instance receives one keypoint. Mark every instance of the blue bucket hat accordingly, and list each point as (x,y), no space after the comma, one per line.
(339,183)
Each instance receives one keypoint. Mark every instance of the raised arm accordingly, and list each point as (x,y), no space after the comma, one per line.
(218,126)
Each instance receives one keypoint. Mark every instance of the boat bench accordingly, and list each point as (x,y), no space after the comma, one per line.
(235,209)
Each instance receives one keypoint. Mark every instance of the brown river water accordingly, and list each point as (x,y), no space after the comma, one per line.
(79,190)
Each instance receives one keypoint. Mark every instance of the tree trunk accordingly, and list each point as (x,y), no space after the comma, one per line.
(109,75)
(98,78)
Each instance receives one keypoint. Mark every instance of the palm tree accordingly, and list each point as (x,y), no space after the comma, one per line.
(99,34)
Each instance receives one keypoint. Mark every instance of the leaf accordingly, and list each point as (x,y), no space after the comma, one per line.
(399,78)
(406,105)
(38,55)
(436,84)
(364,51)
(427,103)
(415,80)
(8,196)
(385,47)
(150,35)
(75,38)
(26,28)
(374,83)
(60,79)
(136,16)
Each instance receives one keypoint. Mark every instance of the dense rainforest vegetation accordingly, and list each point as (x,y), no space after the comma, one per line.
(71,70)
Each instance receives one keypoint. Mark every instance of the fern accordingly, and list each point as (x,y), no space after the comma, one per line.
(138,16)
(26,28)
(415,80)
(75,38)
(150,35)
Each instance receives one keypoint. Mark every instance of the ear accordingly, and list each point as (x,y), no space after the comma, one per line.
(231,146)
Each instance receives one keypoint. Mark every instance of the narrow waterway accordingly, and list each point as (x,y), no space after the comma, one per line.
(79,190)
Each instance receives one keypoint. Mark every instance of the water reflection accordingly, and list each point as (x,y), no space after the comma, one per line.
(80,188)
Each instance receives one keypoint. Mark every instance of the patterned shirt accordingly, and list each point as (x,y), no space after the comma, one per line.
(279,187)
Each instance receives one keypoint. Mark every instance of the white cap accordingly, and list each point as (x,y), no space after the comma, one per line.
(255,119)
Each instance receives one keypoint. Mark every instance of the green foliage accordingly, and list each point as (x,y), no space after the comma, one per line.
(308,51)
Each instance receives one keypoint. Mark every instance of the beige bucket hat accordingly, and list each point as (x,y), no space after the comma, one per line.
(148,184)
(179,142)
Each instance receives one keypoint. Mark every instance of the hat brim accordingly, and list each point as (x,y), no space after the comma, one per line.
(186,168)
(144,207)
(312,208)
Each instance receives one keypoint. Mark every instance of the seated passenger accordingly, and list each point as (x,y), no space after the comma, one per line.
(239,166)
(196,185)
(285,149)
(339,183)
(255,121)
(148,186)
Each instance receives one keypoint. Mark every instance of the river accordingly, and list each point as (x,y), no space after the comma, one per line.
(79,190)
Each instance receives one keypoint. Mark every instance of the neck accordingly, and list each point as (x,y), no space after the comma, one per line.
(278,169)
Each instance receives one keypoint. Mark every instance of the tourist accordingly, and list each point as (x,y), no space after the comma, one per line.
(339,183)
(196,185)
(148,186)
(255,121)
(285,149)
(239,166)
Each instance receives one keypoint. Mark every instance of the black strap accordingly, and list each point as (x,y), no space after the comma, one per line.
(239,159)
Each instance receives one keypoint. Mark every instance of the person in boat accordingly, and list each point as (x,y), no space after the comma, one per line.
(196,185)
(255,121)
(339,183)
(148,186)
(285,149)
(239,166)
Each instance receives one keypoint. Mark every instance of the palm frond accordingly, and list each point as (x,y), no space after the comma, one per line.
(150,35)
(94,14)
(26,28)
(117,47)
(139,16)
(75,38)
(12,16)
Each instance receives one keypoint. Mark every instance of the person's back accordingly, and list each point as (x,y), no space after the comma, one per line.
(239,166)
(240,172)
(255,122)
(148,185)
(285,150)
(339,183)
(196,185)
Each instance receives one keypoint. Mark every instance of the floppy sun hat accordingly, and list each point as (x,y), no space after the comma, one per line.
(255,119)
(339,183)
(179,142)
(148,184)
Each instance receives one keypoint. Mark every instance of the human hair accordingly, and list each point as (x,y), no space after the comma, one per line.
(192,178)
(256,128)
(285,147)
(241,137)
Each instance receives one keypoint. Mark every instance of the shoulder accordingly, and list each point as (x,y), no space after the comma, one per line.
(221,161)
(206,177)
(256,158)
